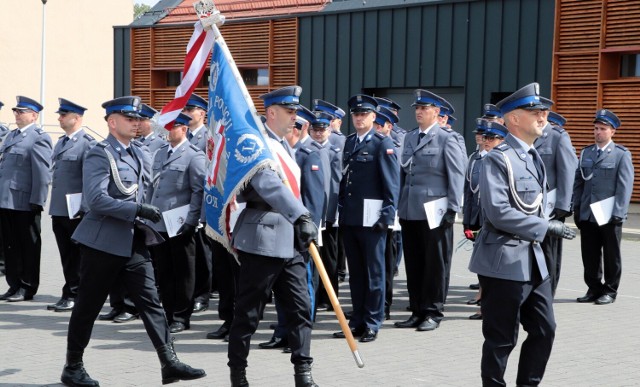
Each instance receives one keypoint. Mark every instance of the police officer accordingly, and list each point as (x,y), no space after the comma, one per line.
(301,138)
(146,135)
(269,235)
(178,180)
(507,255)
(432,167)
(336,138)
(397,133)
(560,162)
(112,239)
(605,171)
(25,161)
(471,212)
(370,173)
(198,135)
(68,158)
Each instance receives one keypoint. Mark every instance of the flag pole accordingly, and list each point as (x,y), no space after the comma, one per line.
(210,18)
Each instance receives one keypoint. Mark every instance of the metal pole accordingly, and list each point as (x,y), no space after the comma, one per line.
(42,70)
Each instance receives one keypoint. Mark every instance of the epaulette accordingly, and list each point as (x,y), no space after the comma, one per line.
(352,134)
(337,133)
(136,143)
(621,147)
(316,145)
(89,137)
(398,129)
(305,150)
(39,130)
(558,129)
(103,144)
(380,135)
(396,143)
(446,129)
(164,145)
(503,146)
(414,129)
(61,137)
(334,149)
(195,148)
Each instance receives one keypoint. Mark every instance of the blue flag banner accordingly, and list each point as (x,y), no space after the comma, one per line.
(236,148)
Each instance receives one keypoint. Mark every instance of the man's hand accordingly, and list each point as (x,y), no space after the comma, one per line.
(616,220)
(558,213)
(35,207)
(186,230)
(78,214)
(379,226)
(469,235)
(448,219)
(304,232)
(560,230)
(147,211)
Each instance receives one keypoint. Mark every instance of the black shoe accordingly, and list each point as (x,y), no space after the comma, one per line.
(74,374)
(589,297)
(286,350)
(322,307)
(356,332)
(348,314)
(605,299)
(428,325)
(302,376)
(53,306)
(124,317)
(200,307)
(275,342)
(221,333)
(20,295)
(368,336)
(476,316)
(177,327)
(474,301)
(113,313)
(474,286)
(412,322)
(238,377)
(8,294)
(65,306)
(174,370)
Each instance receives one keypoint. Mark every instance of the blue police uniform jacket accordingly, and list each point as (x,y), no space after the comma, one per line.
(108,225)
(599,178)
(25,168)
(68,159)
(178,180)
(508,235)
(201,138)
(370,171)
(153,142)
(335,164)
(337,139)
(560,161)
(431,168)
(315,176)
(471,210)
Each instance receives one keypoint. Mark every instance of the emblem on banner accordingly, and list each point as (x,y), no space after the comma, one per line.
(249,148)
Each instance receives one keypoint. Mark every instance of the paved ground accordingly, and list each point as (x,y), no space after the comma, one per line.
(595,345)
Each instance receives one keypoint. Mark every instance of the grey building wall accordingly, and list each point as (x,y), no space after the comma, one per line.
(482,48)
(122,61)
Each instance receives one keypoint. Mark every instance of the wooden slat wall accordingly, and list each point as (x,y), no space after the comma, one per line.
(268,43)
(590,36)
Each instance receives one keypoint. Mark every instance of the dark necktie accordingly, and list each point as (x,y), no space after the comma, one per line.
(170,153)
(189,135)
(130,152)
(142,140)
(537,163)
(16,133)
(421,136)
(65,140)
(598,153)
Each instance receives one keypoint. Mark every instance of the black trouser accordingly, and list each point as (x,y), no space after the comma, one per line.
(98,273)
(203,267)
(426,261)
(552,248)
(329,254)
(258,276)
(225,271)
(600,247)
(175,262)
(390,257)
(505,305)
(63,228)
(22,247)
(342,256)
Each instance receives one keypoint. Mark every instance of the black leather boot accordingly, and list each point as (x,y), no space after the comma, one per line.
(74,374)
(239,377)
(303,376)
(174,370)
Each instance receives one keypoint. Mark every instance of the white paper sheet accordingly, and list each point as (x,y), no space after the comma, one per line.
(602,210)
(174,219)
(435,210)
(371,212)
(550,204)
(74,203)
(233,217)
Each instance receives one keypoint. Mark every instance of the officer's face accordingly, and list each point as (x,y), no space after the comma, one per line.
(383,129)
(320,134)
(25,117)
(177,134)
(123,128)
(144,128)
(363,122)
(528,123)
(68,120)
(442,120)
(336,123)
(197,116)
(603,133)
(426,115)
(478,138)
(281,119)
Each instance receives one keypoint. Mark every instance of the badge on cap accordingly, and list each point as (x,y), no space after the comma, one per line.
(536,88)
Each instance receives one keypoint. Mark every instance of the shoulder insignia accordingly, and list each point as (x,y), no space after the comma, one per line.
(502,146)
(351,135)
(89,137)
(334,149)
(380,136)
(39,130)
(136,143)
(164,145)
(446,129)
(103,144)
(558,129)
(306,150)
(195,148)
(621,147)
(396,143)
(338,133)
(413,130)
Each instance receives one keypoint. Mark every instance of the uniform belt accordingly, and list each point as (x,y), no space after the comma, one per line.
(259,206)
(489,227)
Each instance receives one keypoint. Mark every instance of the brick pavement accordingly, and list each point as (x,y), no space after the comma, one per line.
(595,345)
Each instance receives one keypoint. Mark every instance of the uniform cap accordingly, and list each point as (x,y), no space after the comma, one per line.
(527,98)
(327,107)
(451,120)
(67,106)
(384,115)
(127,106)
(607,117)
(147,111)
(182,119)
(306,114)
(556,119)
(196,101)
(495,129)
(322,119)
(481,125)
(426,98)
(25,103)
(288,97)
(491,111)
(361,103)
(388,103)
(445,108)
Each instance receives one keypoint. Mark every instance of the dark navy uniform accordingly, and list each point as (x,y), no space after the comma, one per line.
(68,159)
(25,161)
(370,171)
(602,174)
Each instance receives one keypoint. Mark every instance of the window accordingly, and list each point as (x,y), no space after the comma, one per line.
(174,78)
(630,65)
(255,77)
